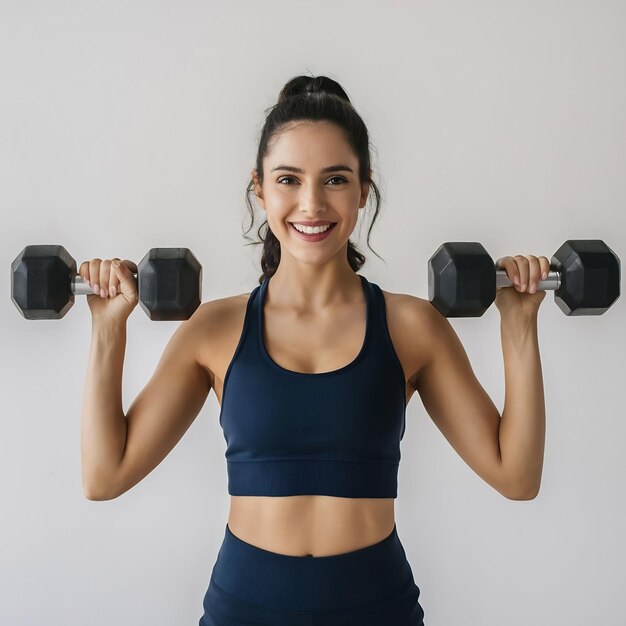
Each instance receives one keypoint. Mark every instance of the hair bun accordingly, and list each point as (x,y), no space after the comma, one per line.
(312,86)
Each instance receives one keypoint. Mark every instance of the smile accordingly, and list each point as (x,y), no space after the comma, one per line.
(314,236)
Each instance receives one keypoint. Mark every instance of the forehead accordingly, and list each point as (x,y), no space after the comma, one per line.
(310,141)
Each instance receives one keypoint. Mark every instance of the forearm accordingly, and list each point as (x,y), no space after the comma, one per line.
(103,423)
(522,426)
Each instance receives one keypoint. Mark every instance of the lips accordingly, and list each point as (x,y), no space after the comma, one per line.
(314,237)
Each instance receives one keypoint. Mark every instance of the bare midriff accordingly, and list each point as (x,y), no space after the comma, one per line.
(310,525)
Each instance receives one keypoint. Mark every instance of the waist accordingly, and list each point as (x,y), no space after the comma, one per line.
(311,525)
(345,580)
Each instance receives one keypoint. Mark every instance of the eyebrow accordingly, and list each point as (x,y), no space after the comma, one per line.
(331,168)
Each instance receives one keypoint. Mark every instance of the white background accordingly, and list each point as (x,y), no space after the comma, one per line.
(131,125)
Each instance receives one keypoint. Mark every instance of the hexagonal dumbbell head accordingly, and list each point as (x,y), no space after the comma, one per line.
(170,283)
(44,283)
(40,282)
(461,279)
(590,277)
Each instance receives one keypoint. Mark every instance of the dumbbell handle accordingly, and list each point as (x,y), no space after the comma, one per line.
(552,281)
(81,288)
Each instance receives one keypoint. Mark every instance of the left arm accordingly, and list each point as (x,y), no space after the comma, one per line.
(523,425)
(506,451)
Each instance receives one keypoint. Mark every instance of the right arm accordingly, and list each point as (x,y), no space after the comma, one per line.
(117,450)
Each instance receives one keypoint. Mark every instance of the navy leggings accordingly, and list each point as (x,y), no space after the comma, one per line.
(251,586)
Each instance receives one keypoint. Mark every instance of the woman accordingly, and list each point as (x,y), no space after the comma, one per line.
(313,371)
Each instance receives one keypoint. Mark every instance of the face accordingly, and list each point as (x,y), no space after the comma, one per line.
(311,194)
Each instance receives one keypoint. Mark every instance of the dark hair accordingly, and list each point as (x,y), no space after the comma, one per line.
(314,98)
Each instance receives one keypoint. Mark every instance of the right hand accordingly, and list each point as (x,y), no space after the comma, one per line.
(116,295)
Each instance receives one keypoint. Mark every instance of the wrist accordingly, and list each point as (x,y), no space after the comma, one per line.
(108,325)
(517,316)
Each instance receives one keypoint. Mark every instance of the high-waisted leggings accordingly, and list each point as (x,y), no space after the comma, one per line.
(371,586)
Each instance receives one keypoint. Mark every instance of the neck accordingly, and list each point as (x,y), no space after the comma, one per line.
(313,288)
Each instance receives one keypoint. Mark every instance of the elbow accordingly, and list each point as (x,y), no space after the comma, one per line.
(524,497)
(97,494)
(98,497)
(526,494)
(94,496)
(520,488)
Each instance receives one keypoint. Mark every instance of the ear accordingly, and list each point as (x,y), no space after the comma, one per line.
(365,190)
(257,189)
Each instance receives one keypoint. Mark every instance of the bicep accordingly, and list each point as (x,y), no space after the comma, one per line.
(456,401)
(166,407)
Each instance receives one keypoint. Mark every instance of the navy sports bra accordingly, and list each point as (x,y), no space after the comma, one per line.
(332,433)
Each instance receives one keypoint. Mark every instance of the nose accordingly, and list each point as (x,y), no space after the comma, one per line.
(312,200)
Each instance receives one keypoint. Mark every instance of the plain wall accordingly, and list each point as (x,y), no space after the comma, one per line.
(131,125)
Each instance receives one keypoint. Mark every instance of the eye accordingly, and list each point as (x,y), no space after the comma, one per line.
(340,178)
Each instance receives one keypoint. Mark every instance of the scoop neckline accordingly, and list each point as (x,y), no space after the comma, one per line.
(355,361)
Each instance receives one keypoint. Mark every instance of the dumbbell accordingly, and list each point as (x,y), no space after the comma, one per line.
(585,277)
(44,282)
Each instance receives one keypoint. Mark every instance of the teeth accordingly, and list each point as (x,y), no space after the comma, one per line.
(308,230)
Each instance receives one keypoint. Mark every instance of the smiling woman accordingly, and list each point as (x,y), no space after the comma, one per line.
(311,529)
(313,370)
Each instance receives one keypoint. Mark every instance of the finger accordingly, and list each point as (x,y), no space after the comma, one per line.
(114,281)
(83,271)
(508,264)
(94,274)
(105,272)
(128,284)
(131,265)
(545,267)
(534,273)
(523,270)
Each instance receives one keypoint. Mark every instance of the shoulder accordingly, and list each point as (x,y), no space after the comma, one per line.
(431,332)
(412,322)
(212,319)
(213,325)
(404,302)
(407,308)
(220,308)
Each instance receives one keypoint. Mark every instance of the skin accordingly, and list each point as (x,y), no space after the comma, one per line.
(314,291)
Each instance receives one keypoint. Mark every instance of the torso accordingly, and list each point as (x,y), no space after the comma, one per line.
(311,525)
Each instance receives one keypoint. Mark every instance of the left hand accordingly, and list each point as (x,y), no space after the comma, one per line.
(523,296)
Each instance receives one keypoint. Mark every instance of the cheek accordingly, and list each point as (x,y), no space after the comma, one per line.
(277,204)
